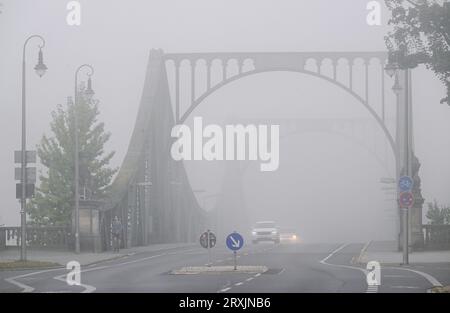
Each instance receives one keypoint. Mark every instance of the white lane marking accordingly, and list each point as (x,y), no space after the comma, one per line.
(87,288)
(59,291)
(363,250)
(397,276)
(250,278)
(324,261)
(26,288)
(405,287)
(433,281)
(139,260)
(372,289)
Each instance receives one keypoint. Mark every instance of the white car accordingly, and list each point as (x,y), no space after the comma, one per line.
(265,231)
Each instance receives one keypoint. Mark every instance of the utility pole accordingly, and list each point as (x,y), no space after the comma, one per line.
(40,69)
(89,94)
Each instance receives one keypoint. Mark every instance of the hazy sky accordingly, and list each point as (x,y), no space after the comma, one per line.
(116,36)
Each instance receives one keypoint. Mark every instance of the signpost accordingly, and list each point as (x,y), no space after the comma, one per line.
(208,240)
(235,242)
(24,189)
(406,201)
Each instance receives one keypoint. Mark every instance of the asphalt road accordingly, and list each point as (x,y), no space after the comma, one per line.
(292,268)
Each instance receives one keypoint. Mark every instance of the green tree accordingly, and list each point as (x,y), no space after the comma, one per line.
(438,215)
(53,202)
(421,35)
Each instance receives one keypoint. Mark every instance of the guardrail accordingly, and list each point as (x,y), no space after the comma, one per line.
(436,237)
(37,236)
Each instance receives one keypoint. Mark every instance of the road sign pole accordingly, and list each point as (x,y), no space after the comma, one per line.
(209,248)
(406,201)
(234,242)
(405,236)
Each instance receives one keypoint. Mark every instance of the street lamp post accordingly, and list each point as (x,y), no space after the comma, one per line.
(89,93)
(40,69)
(392,68)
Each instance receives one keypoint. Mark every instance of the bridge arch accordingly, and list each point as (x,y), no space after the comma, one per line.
(195,103)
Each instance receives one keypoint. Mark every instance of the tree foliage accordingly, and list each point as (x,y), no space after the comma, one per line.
(54,199)
(421,35)
(438,215)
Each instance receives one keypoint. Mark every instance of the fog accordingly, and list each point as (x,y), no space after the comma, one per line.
(327,186)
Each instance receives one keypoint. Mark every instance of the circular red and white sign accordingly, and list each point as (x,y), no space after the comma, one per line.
(406,199)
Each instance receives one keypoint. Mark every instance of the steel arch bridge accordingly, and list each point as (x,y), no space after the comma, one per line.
(152,192)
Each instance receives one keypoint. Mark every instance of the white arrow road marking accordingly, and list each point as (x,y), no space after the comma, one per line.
(235,243)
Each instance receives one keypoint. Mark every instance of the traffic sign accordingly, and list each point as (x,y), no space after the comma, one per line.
(30,174)
(208,239)
(405,183)
(235,241)
(406,199)
(30,156)
(29,191)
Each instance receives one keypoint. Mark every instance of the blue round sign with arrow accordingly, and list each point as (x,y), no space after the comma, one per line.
(235,241)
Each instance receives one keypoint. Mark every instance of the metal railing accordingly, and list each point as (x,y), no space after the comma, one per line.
(37,236)
(436,237)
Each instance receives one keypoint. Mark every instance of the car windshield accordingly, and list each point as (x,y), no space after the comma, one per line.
(265,225)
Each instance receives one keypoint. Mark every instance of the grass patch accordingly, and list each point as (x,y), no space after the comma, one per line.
(441,289)
(26,264)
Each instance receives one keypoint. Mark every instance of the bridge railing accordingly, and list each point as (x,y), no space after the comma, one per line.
(53,237)
(436,237)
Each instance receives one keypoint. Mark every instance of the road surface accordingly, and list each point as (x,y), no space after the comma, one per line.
(292,268)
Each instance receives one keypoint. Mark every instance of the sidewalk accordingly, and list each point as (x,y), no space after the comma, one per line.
(386,252)
(85,258)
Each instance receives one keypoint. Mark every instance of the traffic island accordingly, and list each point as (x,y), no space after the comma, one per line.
(243,269)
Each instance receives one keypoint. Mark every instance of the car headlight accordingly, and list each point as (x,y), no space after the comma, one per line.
(274,232)
(253,233)
(294,237)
